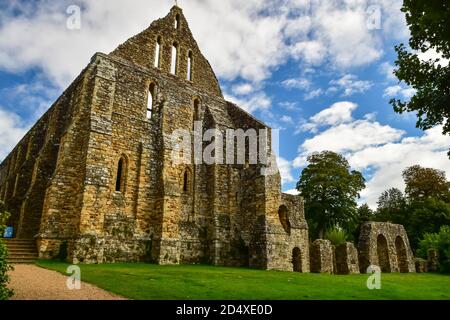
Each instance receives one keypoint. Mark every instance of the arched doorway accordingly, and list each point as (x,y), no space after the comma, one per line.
(383,254)
(284,219)
(297,260)
(402,258)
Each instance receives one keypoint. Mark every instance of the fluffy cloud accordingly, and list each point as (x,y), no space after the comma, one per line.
(339,112)
(292,191)
(380,151)
(350,84)
(12,129)
(396,91)
(242,89)
(253,102)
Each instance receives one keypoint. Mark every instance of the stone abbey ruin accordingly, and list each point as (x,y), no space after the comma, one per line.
(95,178)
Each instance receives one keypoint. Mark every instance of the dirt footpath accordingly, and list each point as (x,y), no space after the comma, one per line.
(33,283)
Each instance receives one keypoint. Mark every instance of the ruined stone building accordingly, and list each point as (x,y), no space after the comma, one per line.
(95,176)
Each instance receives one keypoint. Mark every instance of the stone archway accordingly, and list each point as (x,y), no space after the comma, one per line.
(383,254)
(402,258)
(297,259)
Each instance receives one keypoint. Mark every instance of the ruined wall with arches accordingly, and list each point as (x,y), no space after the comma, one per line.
(385,245)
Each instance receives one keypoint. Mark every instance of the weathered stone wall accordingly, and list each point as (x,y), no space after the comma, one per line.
(322,256)
(33,166)
(346,257)
(385,245)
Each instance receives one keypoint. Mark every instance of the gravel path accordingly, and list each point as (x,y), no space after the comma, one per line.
(33,283)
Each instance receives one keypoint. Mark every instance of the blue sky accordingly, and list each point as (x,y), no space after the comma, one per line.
(320,71)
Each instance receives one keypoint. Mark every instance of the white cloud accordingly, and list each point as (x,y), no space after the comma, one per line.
(387,70)
(292,191)
(298,83)
(12,129)
(289,105)
(242,89)
(350,84)
(313,94)
(432,54)
(353,136)
(257,101)
(337,113)
(287,119)
(396,91)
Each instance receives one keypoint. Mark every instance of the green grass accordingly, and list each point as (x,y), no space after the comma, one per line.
(184,282)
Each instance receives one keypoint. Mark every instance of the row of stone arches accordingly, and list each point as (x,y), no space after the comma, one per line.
(383,254)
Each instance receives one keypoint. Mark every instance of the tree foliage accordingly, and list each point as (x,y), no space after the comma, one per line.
(391,205)
(330,190)
(5,292)
(422,183)
(430,30)
(437,241)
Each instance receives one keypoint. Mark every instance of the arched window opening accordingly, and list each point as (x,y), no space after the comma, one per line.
(383,254)
(284,219)
(121,174)
(151,100)
(196,109)
(189,66)
(174,63)
(402,257)
(186,181)
(158,53)
(177,21)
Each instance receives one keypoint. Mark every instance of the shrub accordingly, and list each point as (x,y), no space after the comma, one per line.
(5,292)
(440,242)
(336,236)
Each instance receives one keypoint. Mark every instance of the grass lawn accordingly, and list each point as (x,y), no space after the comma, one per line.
(184,282)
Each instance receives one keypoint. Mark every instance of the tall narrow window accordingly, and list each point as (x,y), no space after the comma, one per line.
(151,100)
(121,174)
(174,63)
(196,109)
(177,22)
(186,181)
(189,66)
(16,182)
(158,53)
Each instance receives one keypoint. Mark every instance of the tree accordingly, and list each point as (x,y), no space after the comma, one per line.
(391,206)
(430,30)
(363,214)
(5,293)
(422,183)
(329,189)
(440,242)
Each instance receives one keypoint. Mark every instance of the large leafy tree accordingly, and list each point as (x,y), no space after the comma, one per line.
(428,21)
(422,183)
(329,189)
